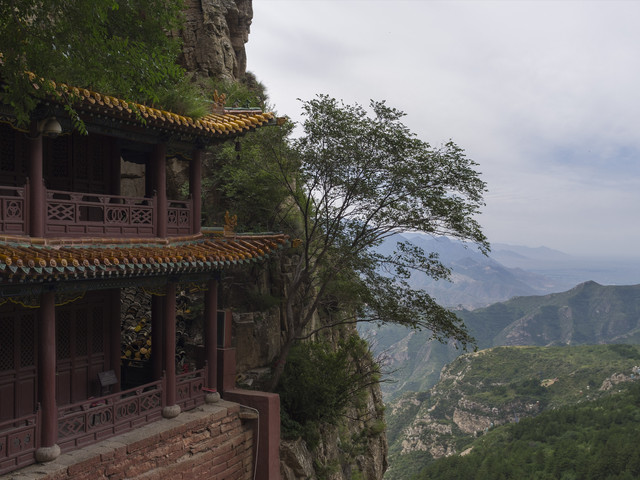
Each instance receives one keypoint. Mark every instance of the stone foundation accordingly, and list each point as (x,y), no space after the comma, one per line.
(210,442)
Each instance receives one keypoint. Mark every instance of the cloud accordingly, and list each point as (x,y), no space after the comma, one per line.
(542,94)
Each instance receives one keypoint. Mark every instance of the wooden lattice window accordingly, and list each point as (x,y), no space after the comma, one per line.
(18,359)
(63,334)
(78,164)
(7,150)
(13,157)
(82,347)
(27,344)
(7,361)
(97,333)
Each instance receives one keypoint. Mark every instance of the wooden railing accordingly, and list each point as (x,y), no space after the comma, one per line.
(92,420)
(179,217)
(19,439)
(76,214)
(189,389)
(86,214)
(13,210)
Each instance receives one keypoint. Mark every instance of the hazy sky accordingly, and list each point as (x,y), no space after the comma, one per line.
(544,95)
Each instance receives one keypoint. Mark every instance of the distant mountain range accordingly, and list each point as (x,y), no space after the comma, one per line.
(516,296)
(478,280)
(587,314)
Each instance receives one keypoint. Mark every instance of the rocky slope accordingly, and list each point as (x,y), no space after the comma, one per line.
(491,387)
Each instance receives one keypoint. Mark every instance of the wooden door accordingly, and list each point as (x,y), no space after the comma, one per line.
(82,350)
(18,360)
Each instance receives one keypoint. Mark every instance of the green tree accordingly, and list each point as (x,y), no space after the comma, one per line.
(358,179)
(239,179)
(118,47)
(321,380)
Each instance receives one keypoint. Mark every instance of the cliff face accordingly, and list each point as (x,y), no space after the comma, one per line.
(358,443)
(214,37)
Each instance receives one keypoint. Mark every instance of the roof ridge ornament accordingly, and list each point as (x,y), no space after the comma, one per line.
(230,224)
(219,99)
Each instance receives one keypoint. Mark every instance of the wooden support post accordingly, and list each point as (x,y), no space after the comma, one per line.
(195,189)
(160,187)
(37,200)
(49,450)
(116,166)
(115,336)
(211,339)
(171,409)
(157,337)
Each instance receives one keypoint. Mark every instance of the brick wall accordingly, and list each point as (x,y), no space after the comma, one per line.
(209,442)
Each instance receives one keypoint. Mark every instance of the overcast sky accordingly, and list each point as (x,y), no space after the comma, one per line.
(544,95)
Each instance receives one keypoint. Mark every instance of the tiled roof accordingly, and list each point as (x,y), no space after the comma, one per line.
(228,122)
(27,262)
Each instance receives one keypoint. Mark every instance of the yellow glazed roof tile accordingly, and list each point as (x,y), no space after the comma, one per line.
(27,262)
(224,123)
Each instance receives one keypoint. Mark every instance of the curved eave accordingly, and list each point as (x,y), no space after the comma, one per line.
(94,107)
(57,261)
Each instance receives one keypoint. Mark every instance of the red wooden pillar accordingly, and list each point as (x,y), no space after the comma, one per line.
(160,187)
(49,450)
(171,409)
(211,339)
(195,189)
(226,356)
(115,336)
(37,207)
(116,168)
(157,338)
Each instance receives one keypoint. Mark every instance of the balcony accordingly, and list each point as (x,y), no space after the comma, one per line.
(75,214)
(85,423)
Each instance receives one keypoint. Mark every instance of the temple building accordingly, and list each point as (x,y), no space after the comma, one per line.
(72,243)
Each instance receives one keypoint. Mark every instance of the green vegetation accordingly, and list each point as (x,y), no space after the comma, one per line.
(503,385)
(594,440)
(564,375)
(356,178)
(117,47)
(587,314)
(239,178)
(320,384)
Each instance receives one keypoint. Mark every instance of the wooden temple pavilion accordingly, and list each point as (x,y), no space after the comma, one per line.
(70,241)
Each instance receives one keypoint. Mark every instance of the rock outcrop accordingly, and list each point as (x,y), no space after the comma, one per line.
(214,36)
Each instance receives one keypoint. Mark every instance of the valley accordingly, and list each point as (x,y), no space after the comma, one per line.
(548,334)
(480,391)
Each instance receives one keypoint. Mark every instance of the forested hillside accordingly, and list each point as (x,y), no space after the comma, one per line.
(590,441)
(502,385)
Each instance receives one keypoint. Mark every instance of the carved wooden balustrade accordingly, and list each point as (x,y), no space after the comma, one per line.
(18,442)
(76,214)
(179,217)
(189,389)
(87,214)
(13,210)
(87,422)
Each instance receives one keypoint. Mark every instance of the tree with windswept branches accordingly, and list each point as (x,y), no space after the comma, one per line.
(356,180)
